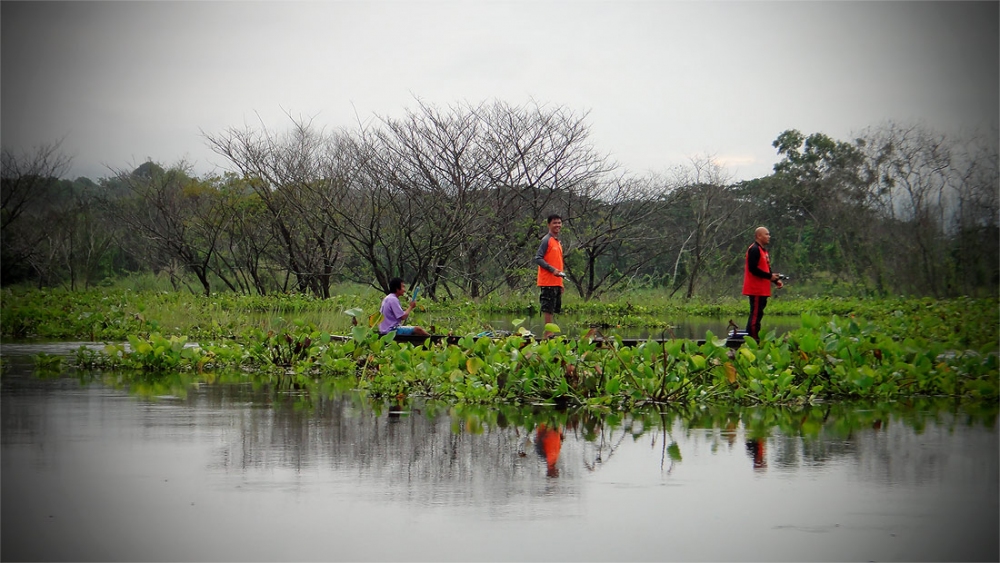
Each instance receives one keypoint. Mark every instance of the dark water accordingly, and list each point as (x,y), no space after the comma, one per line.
(94,470)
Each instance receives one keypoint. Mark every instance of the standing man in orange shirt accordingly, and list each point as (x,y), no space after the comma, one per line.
(757,279)
(550,271)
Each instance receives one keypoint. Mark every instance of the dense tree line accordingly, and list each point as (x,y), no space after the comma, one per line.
(455,199)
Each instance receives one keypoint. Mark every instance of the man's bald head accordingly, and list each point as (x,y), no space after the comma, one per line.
(762,236)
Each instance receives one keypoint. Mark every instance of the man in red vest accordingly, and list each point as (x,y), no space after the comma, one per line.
(550,271)
(757,279)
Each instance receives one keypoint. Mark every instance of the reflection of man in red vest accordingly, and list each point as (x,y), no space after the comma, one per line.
(757,279)
(758,449)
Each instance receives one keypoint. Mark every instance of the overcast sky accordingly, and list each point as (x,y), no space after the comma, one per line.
(123,82)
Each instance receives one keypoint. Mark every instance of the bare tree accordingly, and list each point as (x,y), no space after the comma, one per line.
(369,209)
(288,173)
(915,172)
(78,237)
(27,182)
(27,178)
(247,253)
(441,170)
(452,198)
(609,238)
(975,226)
(704,206)
(544,157)
(178,216)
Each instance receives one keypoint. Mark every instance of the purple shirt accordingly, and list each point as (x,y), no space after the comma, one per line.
(392,313)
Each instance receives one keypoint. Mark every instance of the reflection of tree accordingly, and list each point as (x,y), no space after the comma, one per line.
(428,453)
(600,450)
(414,454)
(461,455)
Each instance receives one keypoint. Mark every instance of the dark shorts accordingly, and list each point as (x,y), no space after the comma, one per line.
(551,299)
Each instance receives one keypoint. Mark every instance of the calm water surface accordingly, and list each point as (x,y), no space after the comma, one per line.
(92,470)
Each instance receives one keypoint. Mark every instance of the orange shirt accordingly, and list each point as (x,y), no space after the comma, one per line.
(551,252)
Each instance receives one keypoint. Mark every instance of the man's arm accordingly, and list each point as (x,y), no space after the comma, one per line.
(753,258)
(540,255)
(397,309)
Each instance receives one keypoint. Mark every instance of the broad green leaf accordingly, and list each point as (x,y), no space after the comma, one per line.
(699,361)
(811,321)
(808,342)
(611,386)
(785,378)
(359,333)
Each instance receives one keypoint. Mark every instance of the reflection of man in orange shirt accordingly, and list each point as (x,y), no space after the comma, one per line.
(548,442)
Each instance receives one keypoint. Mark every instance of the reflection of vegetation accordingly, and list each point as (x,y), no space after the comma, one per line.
(605,427)
(48,363)
(316,411)
(603,432)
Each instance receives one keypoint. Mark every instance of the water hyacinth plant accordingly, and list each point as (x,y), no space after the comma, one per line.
(842,358)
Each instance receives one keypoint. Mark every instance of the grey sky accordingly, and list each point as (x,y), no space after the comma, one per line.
(663,81)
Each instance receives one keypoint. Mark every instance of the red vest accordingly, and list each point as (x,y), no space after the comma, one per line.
(752,285)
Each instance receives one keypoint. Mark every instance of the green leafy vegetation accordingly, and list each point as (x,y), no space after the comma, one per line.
(885,350)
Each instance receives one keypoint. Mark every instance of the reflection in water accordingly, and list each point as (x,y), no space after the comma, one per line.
(407,452)
(548,444)
(245,471)
(758,451)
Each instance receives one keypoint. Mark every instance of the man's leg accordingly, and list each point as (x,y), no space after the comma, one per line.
(750,317)
(548,308)
(757,304)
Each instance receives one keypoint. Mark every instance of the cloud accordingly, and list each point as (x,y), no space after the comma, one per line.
(122,81)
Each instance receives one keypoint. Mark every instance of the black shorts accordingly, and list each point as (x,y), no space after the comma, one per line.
(551,299)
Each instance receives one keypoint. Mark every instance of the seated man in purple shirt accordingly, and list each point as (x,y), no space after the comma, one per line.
(393,314)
